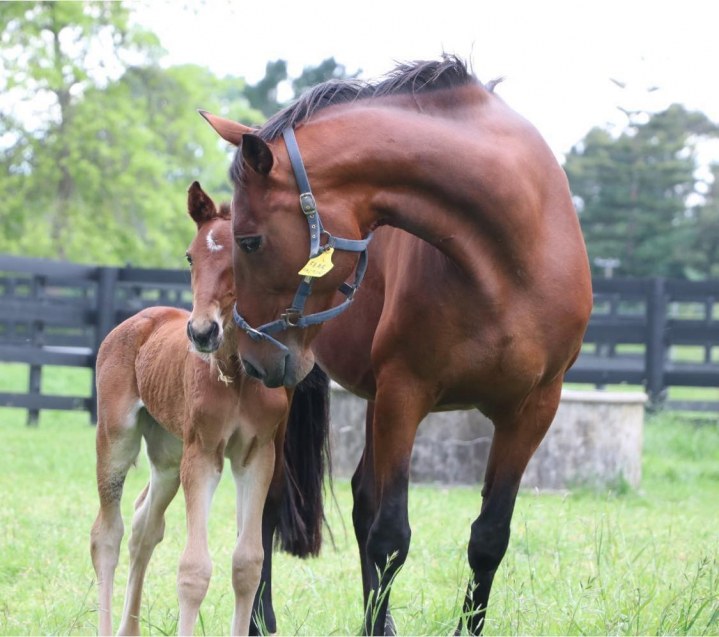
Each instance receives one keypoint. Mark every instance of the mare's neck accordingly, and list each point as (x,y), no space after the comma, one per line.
(452,181)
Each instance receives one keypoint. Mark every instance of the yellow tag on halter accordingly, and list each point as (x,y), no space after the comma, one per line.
(318,266)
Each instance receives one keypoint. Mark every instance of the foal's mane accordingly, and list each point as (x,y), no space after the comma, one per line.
(409,78)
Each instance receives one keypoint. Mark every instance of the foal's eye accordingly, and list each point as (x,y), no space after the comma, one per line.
(249,244)
(188,257)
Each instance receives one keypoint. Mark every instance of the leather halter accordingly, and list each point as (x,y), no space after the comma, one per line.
(293,316)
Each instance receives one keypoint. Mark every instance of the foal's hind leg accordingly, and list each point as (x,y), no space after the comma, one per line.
(516,437)
(148,524)
(118,443)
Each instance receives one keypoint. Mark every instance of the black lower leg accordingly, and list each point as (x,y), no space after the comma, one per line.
(387,548)
(487,545)
(263,620)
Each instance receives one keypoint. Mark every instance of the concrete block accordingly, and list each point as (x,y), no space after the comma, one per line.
(595,439)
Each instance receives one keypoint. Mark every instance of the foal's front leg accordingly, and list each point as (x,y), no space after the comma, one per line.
(252,475)
(200,474)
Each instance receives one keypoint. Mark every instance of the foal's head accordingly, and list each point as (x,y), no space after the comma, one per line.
(210,258)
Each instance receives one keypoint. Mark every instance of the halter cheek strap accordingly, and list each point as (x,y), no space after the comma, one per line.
(294,315)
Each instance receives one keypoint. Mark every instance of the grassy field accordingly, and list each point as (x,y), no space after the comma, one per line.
(581,563)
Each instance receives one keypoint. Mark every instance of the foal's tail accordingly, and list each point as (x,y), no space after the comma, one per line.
(306,459)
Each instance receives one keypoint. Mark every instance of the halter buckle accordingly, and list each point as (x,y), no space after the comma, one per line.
(308,203)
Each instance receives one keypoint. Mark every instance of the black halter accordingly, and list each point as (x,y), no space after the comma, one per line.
(293,316)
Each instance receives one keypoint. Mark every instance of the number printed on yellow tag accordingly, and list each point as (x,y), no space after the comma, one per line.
(319,265)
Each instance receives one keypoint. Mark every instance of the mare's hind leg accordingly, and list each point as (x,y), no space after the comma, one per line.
(364,510)
(364,504)
(118,443)
(148,525)
(516,437)
(252,478)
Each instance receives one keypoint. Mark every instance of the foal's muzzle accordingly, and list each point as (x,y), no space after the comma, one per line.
(205,340)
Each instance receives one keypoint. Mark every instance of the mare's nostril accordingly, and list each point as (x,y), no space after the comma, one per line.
(213,331)
(190,333)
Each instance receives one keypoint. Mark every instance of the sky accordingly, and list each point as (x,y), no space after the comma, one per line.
(557,57)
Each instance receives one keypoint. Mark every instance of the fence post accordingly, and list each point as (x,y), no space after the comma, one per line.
(656,349)
(106,284)
(37,335)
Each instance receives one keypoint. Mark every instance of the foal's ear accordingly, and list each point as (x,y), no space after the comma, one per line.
(257,154)
(227,129)
(199,205)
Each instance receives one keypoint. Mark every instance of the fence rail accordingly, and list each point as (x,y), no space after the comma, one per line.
(657,333)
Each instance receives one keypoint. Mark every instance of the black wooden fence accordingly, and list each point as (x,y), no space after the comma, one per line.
(57,313)
(656,333)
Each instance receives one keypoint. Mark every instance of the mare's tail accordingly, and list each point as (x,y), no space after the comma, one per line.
(306,459)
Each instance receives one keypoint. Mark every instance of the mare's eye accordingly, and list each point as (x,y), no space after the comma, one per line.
(188,257)
(249,244)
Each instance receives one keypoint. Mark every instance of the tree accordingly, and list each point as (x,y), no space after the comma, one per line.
(263,95)
(633,191)
(705,244)
(48,51)
(326,70)
(102,176)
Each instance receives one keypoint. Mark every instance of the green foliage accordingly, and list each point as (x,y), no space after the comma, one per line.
(263,95)
(328,69)
(634,192)
(99,172)
(704,255)
(102,176)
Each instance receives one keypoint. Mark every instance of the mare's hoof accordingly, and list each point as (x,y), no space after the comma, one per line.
(389,626)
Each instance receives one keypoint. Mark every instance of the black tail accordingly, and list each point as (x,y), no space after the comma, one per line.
(306,459)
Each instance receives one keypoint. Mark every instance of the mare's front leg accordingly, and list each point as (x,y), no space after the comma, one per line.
(252,470)
(200,473)
(400,405)
(517,435)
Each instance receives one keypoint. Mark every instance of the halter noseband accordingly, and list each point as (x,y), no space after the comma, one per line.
(293,316)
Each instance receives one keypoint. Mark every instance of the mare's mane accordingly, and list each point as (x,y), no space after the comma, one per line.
(409,78)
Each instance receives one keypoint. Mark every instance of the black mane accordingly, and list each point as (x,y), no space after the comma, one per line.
(409,78)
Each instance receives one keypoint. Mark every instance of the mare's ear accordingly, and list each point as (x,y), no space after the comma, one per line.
(227,129)
(199,205)
(257,154)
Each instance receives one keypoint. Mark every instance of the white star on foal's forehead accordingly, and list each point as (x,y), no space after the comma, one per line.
(212,245)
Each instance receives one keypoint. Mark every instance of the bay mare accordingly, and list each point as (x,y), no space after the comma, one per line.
(194,407)
(477,297)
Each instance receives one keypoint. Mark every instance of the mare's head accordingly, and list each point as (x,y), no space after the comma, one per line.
(271,232)
(210,259)
(271,244)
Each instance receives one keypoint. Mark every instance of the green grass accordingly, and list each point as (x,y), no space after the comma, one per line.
(585,562)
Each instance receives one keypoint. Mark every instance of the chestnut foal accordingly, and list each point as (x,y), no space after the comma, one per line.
(194,407)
